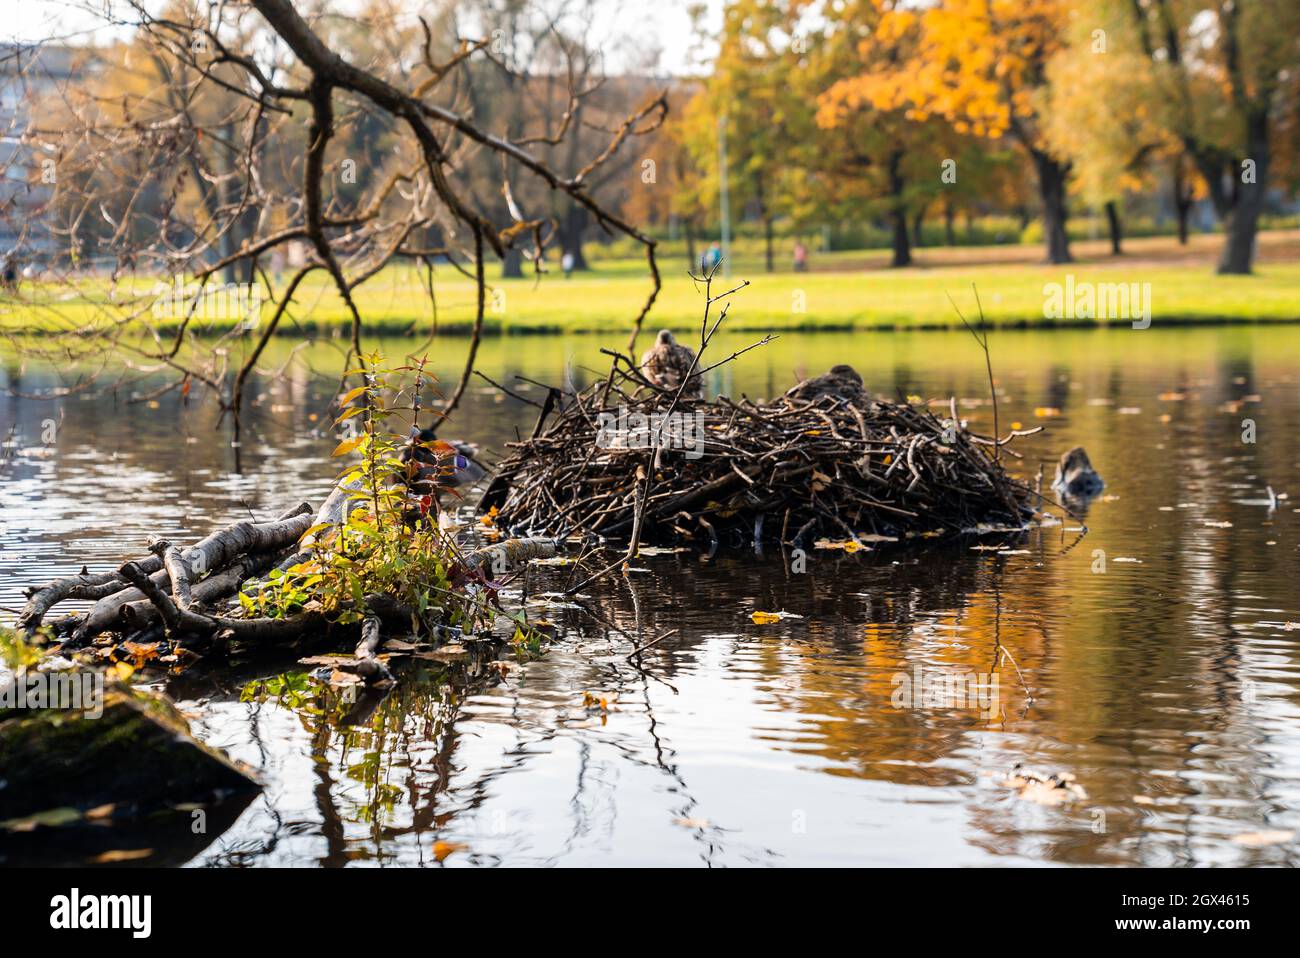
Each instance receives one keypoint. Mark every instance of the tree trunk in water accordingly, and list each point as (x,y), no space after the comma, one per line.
(1116,231)
(1242,222)
(767,236)
(1051,186)
(898,213)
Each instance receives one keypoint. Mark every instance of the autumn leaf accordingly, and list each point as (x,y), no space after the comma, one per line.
(441,850)
(350,395)
(347,446)
(848,545)
(766,618)
(121,855)
(691,822)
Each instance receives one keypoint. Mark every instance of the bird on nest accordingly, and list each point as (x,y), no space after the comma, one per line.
(667,363)
(842,382)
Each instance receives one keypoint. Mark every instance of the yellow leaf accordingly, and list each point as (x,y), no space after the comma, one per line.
(442,849)
(765,618)
(347,446)
(350,395)
(848,545)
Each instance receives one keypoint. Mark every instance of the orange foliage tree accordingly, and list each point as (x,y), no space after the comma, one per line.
(980,65)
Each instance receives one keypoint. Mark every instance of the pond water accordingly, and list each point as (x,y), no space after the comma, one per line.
(1157,658)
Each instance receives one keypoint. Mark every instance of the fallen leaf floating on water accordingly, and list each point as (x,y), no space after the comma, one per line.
(848,545)
(442,849)
(1218,525)
(1172,397)
(447,654)
(399,645)
(121,855)
(1263,839)
(1046,412)
(1059,788)
(659,551)
(691,822)
(766,618)
(598,703)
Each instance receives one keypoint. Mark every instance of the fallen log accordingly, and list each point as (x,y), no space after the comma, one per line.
(84,587)
(209,556)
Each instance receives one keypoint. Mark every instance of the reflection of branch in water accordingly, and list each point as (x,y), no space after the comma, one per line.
(999,650)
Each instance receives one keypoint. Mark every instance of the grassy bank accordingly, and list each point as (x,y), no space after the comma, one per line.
(848,290)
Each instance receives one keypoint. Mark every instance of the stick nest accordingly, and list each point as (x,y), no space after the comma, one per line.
(614,461)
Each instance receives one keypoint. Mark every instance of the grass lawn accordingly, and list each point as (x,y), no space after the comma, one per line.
(844,290)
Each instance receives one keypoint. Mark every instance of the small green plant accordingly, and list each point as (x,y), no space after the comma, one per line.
(388,541)
(291,689)
(15,652)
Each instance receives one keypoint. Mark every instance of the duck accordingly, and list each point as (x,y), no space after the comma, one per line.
(667,363)
(434,465)
(1075,476)
(841,382)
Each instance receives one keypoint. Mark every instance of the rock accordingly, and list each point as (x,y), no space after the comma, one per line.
(137,756)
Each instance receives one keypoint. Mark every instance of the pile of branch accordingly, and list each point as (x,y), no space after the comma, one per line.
(178,601)
(850,469)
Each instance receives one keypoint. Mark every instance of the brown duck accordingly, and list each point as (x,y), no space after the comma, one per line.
(1075,476)
(842,382)
(667,363)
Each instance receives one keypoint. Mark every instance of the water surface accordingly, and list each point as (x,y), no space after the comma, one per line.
(1156,658)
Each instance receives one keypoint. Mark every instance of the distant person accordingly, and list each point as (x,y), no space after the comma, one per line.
(9,272)
(800,257)
(278,259)
(712,256)
(567,262)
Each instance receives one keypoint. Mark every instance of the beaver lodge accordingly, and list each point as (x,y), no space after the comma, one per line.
(642,456)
